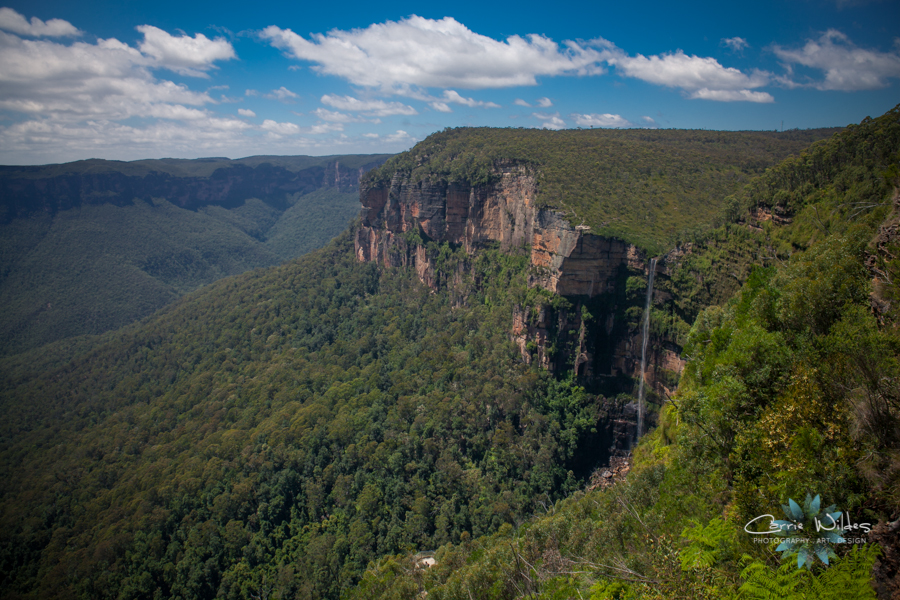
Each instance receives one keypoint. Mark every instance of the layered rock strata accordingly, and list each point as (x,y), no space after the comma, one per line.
(569,260)
(587,269)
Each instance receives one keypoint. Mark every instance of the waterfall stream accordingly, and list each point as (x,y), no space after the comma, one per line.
(644,339)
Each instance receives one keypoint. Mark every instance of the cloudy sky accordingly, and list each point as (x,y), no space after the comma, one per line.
(98,79)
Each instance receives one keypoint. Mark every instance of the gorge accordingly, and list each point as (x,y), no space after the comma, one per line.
(447,374)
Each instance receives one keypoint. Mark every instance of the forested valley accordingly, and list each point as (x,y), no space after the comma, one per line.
(308,430)
(94,245)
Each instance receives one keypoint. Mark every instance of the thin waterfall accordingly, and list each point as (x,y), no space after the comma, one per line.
(645,336)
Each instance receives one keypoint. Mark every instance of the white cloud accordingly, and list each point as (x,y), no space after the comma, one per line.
(604,120)
(107,80)
(732,95)
(72,97)
(520,102)
(320,128)
(736,43)
(282,94)
(376,108)
(650,121)
(847,67)
(12,21)
(339,117)
(453,97)
(280,128)
(246,112)
(433,53)
(550,121)
(400,137)
(43,140)
(544,102)
(184,54)
(700,77)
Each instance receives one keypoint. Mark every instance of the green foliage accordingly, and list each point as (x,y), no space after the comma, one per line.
(277,431)
(848,577)
(298,431)
(791,389)
(709,545)
(643,186)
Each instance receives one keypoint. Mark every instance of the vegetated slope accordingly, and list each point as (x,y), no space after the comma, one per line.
(91,246)
(792,389)
(274,432)
(647,187)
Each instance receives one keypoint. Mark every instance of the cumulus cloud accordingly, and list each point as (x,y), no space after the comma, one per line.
(108,80)
(455,98)
(520,102)
(12,21)
(282,94)
(185,55)
(400,137)
(732,95)
(736,43)
(320,128)
(649,121)
(246,112)
(334,116)
(442,104)
(544,102)
(550,121)
(44,140)
(280,128)
(604,120)
(846,66)
(433,53)
(376,108)
(699,77)
(74,95)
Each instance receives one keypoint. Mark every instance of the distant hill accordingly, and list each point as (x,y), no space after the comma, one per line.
(90,246)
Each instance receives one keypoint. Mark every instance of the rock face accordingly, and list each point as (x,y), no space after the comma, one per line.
(590,271)
(569,260)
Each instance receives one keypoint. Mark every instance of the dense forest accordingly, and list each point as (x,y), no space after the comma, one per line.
(282,429)
(91,246)
(791,393)
(309,430)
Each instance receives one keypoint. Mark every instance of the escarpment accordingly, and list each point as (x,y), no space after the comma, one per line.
(567,260)
(594,331)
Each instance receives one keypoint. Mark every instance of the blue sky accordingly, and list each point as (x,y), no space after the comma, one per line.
(100,79)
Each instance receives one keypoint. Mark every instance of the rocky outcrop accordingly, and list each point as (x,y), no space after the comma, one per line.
(399,218)
(568,260)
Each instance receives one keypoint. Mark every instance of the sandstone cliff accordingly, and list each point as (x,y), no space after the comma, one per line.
(593,334)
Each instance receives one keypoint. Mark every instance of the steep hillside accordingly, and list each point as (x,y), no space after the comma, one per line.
(590,208)
(91,246)
(791,392)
